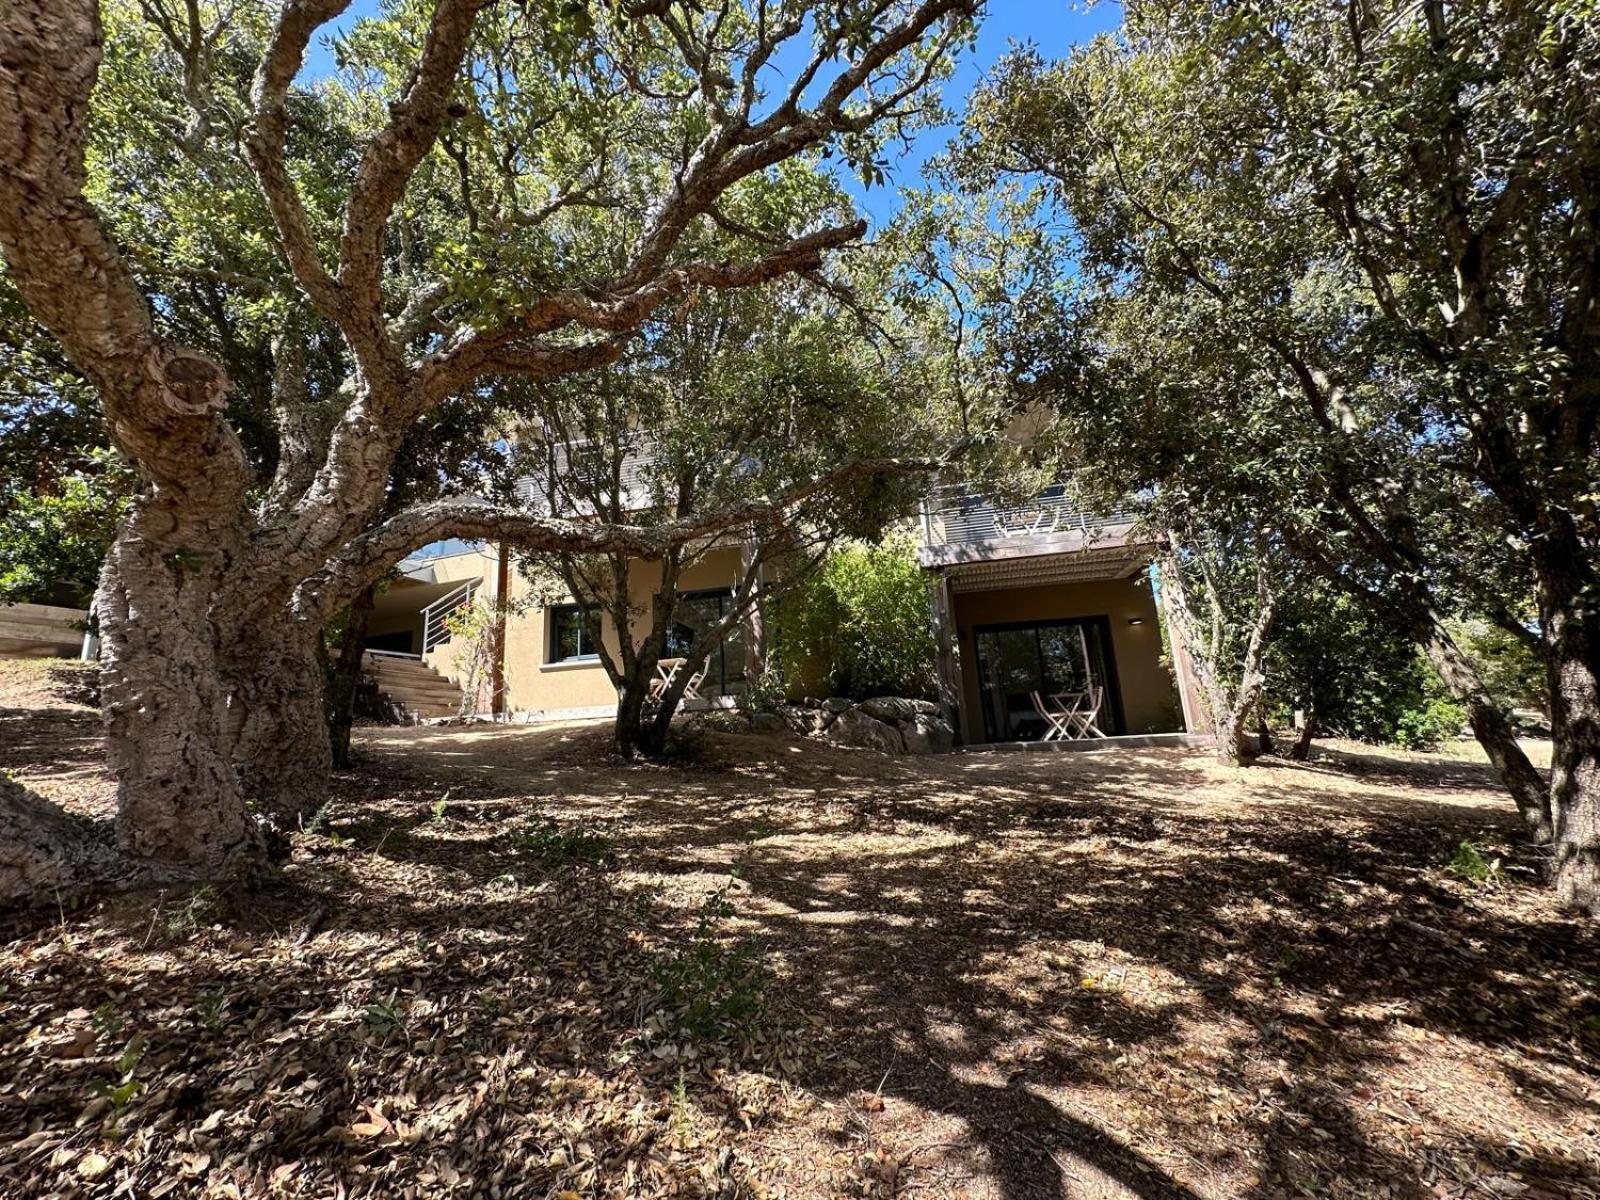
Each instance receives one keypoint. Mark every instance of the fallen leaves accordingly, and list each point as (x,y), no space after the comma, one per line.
(1071,967)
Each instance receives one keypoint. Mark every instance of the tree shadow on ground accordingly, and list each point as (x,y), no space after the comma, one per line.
(1305,943)
(1007,976)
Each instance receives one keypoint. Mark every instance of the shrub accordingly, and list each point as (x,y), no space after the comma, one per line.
(1471,864)
(549,843)
(1426,727)
(708,987)
(863,622)
(765,694)
(1365,679)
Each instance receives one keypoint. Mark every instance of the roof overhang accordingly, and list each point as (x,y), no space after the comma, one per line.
(1072,556)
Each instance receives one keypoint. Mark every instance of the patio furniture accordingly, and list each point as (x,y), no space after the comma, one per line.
(667,670)
(1055,722)
(1080,711)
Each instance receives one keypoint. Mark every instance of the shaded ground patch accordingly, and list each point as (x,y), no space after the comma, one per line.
(1011,976)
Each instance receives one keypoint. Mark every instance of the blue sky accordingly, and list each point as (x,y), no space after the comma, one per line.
(1055,25)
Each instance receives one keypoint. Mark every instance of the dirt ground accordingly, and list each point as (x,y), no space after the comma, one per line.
(505,964)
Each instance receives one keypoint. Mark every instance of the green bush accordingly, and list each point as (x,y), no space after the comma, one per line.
(1365,678)
(1426,727)
(707,987)
(862,623)
(53,540)
(1471,864)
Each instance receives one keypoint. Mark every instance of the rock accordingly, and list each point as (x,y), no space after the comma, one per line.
(837,705)
(856,728)
(888,708)
(927,735)
(725,720)
(926,707)
(765,722)
(805,721)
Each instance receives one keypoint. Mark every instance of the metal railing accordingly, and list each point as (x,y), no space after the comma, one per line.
(436,617)
(956,515)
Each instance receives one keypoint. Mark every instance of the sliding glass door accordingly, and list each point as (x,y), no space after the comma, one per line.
(1047,657)
(700,611)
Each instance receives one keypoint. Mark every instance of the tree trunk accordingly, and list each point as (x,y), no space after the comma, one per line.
(755,633)
(1264,734)
(628,730)
(166,711)
(1233,743)
(1493,731)
(283,754)
(345,677)
(45,852)
(1301,750)
(1567,599)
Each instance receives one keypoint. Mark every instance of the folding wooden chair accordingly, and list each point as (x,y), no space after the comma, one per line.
(1055,722)
(666,668)
(691,690)
(1080,712)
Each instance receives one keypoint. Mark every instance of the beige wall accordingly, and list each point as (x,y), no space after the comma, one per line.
(533,684)
(1149,703)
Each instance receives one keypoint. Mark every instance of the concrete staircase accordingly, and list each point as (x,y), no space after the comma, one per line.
(413,686)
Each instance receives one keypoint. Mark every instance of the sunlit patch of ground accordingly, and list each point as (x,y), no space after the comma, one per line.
(1131,974)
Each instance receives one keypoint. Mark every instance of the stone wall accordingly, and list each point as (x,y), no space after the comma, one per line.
(887,723)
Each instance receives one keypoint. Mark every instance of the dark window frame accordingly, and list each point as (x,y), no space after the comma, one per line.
(717,660)
(554,615)
(1101,622)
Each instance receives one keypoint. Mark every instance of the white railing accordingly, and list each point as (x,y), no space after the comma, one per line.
(954,515)
(394,654)
(436,617)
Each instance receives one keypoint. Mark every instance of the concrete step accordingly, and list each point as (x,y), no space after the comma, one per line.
(413,685)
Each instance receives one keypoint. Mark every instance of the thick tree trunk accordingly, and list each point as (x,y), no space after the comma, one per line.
(1567,603)
(45,852)
(1235,748)
(628,731)
(1233,742)
(1493,731)
(283,754)
(346,676)
(166,711)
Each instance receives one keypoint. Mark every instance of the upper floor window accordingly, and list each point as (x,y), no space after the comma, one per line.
(569,633)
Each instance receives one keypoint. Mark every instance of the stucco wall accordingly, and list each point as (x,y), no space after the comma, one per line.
(399,611)
(534,684)
(1149,703)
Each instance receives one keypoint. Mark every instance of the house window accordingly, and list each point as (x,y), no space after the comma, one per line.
(704,610)
(569,635)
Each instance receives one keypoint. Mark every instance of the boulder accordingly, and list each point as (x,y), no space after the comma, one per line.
(725,720)
(856,728)
(927,735)
(836,705)
(926,707)
(807,722)
(765,722)
(888,708)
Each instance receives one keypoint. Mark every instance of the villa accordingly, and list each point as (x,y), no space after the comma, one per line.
(1029,603)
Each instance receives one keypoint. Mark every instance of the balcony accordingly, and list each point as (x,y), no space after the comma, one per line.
(961,525)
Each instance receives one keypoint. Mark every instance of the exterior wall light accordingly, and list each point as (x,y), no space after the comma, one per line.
(1135,620)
